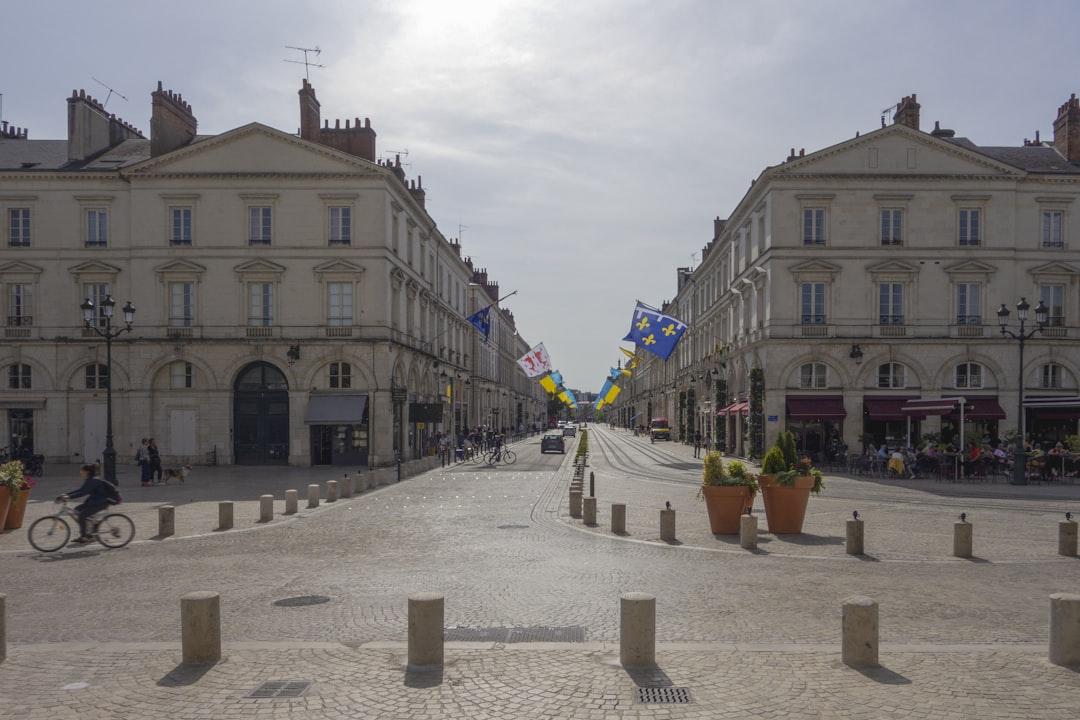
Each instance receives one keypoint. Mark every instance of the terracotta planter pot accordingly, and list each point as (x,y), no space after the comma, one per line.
(785,507)
(17,510)
(765,481)
(5,503)
(726,503)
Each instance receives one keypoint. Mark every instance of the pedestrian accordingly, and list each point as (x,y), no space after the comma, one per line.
(697,443)
(155,460)
(142,459)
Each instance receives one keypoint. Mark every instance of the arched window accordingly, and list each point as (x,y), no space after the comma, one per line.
(1051,376)
(891,375)
(969,376)
(97,376)
(340,375)
(813,375)
(181,375)
(19,377)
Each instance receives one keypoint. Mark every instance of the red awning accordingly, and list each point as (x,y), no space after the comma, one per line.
(1069,414)
(1053,408)
(979,408)
(887,407)
(818,407)
(735,408)
(935,406)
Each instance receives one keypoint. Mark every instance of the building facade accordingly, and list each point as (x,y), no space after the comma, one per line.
(851,279)
(295,301)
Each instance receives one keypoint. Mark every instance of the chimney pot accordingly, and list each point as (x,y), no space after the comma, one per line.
(1067,130)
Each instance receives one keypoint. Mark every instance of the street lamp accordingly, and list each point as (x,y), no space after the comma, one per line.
(108,308)
(1021,335)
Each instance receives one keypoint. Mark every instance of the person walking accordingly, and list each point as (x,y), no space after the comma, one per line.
(155,460)
(142,459)
(697,443)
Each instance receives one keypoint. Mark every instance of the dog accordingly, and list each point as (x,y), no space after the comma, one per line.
(176,473)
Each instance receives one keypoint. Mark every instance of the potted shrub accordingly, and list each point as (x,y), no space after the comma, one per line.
(11,476)
(727,492)
(20,496)
(786,499)
(772,465)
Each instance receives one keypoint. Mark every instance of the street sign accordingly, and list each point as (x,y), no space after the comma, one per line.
(774,418)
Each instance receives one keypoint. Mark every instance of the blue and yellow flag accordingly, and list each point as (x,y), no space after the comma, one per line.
(548,384)
(654,331)
(612,393)
(557,377)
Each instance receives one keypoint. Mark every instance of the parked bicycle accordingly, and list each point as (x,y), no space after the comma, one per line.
(504,454)
(52,532)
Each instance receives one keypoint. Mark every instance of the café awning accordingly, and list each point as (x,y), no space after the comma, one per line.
(335,409)
(975,408)
(735,409)
(887,408)
(816,407)
(1054,408)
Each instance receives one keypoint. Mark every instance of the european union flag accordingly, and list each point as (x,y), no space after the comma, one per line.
(481,321)
(654,331)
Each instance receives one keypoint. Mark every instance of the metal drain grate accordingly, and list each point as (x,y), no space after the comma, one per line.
(663,696)
(511,527)
(302,601)
(568,634)
(280,689)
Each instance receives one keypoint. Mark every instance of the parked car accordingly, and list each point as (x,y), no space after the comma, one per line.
(659,429)
(569,430)
(553,442)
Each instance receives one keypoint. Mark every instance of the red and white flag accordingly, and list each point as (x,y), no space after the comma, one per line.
(536,362)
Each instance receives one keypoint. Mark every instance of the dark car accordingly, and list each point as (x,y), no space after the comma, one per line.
(553,442)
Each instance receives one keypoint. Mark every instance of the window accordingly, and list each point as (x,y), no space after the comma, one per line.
(260,225)
(968,304)
(19,227)
(19,377)
(181,375)
(97,377)
(340,306)
(180,226)
(813,375)
(970,226)
(813,303)
(395,231)
(892,226)
(20,310)
(1053,296)
(181,304)
(813,226)
(1051,229)
(97,227)
(261,304)
(340,225)
(1051,376)
(891,375)
(891,303)
(96,293)
(969,376)
(410,241)
(340,375)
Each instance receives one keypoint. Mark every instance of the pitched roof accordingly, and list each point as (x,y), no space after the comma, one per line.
(1031,158)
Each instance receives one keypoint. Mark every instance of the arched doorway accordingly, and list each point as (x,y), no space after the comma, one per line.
(261,416)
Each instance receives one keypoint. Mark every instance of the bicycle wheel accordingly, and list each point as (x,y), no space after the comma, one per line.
(509,457)
(49,534)
(115,530)
(491,458)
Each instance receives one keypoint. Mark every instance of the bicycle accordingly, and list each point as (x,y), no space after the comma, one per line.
(507,455)
(52,532)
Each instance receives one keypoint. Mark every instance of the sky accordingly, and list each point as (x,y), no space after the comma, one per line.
(585,145)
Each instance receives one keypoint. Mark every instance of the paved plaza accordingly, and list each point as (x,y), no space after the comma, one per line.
(532,600)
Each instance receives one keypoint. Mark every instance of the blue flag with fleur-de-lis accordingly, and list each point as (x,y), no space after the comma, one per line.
(654,331)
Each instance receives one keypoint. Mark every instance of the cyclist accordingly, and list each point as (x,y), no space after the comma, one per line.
(99,494)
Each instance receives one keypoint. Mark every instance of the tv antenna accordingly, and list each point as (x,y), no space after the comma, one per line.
(461,228)
(404,152)
(111,91)
(308,64)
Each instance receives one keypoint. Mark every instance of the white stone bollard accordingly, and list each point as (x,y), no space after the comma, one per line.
(347,486)
(425,630)
(313,496)
(331,490)
(290,502)
(618,518)
(200,627)
(748,532)
(575,504)
(1067,538)
(962,539)
(860,632)
(589,510)
(266,508)
(855,537)
(667,525)
(1065,629)
(225,515)
(3,627)
(166,520)
(637,630)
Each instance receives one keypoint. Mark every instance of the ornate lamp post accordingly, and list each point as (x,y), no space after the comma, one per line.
(1022,335)
(108,306)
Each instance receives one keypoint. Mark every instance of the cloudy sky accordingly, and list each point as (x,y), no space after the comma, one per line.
(585,144)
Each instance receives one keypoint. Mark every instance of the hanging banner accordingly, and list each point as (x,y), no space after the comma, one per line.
(536,362)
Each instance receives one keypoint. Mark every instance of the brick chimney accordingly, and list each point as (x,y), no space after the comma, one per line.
(172,125)
(416,189)
(1067,129)
(91,129)
(310,113)
(10,132)
(355,139)
(907,112)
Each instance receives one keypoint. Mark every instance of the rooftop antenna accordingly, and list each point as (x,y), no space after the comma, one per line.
(308,64)
(460,228)
(885,113)
(404,152)
(111,91)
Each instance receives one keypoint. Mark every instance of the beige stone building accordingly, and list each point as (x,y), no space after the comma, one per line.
(870,272)
(295,301)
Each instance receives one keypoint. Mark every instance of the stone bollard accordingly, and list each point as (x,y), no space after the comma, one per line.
(313,496)
(347,486)
(575,504)
(860,632)
(425,630)
(667,525)
(200,627)
(1065,629)
(618,518)
(1067,538)
(961,543)
(266,508)
(3,627)
(590,510)
(637,630)
(225,515)
(855,537)
(166,521)
(748,532)
(290,502)
(331,491)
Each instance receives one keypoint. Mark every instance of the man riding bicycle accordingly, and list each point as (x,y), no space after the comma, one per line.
(99,494)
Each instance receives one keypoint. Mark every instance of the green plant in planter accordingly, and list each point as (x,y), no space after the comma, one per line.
(739,474)
(1073,442)
(803,468)
(714,472)
(786,441)
(774,464)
